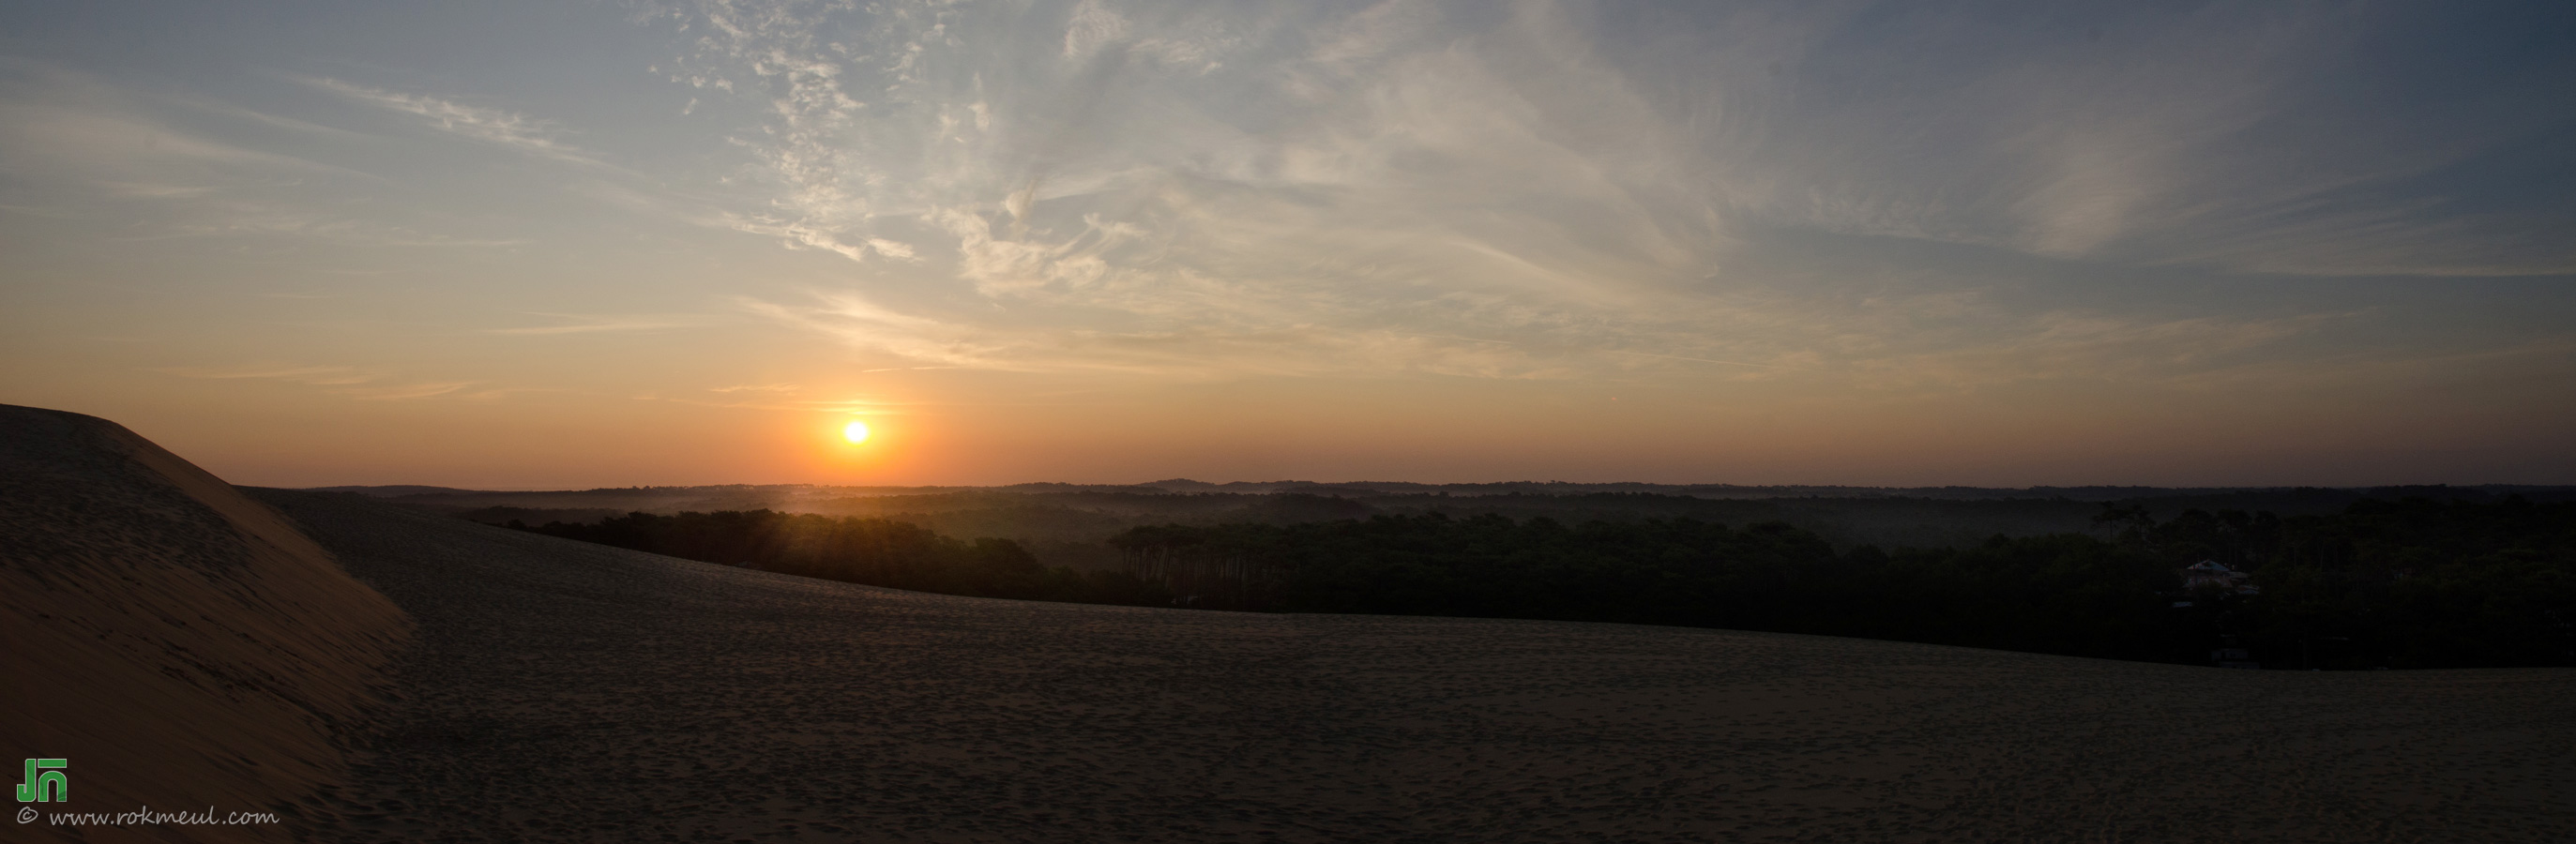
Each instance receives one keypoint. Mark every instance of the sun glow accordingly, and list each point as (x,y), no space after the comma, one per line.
(857,432)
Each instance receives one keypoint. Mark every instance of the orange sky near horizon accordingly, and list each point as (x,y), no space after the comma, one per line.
(545,246)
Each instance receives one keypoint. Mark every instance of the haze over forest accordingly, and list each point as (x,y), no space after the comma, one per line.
(581,245)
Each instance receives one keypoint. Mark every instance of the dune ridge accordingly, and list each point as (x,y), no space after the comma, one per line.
(183,646)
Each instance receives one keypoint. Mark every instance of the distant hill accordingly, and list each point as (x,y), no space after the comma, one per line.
(392,491)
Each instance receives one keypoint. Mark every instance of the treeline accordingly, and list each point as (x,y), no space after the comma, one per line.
(2067,594)
(2415,583)
(1067,525)
(2407,584)
(876,552)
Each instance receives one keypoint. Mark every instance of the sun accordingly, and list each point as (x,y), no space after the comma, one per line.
(857,431)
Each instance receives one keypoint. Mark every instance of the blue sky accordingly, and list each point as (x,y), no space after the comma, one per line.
(593,243)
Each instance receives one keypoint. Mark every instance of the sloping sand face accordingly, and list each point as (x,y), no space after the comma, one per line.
(182,646)
(574,692)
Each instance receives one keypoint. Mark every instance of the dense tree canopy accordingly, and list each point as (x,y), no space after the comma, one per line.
(2414,583)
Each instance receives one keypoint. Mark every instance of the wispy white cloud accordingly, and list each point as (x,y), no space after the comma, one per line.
(169,167)
(59,124)
(1033,203)
(1697,360)
(313,375)
(2541,360)
(756,400)
(303,127)
(499,393)
(599,323)
(366,385)
(424,390)
(492,125)
(256,218)
(2095,347)
(1326,188)
(33,211)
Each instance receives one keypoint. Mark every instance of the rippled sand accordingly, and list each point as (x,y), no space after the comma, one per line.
(568,691)
(183,647)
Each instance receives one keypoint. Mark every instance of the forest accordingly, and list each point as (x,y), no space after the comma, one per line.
(2410,583)
(1065,524)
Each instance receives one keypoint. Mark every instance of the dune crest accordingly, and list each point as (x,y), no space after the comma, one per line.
(183,646)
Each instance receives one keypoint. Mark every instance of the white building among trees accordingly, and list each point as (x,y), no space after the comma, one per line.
(2215,574)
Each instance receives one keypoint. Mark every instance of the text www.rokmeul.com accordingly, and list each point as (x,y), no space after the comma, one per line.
(145,816)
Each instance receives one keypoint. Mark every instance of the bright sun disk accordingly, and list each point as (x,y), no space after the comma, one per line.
(857,432)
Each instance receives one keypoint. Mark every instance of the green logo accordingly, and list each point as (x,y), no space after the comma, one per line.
(33,790)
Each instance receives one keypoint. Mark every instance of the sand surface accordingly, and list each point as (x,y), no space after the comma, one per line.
(184,647)
(574,692)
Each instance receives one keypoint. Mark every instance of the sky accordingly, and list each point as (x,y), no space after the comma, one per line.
(578,244)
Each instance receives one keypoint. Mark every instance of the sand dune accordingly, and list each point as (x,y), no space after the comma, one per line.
(578,692)
(182,646)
